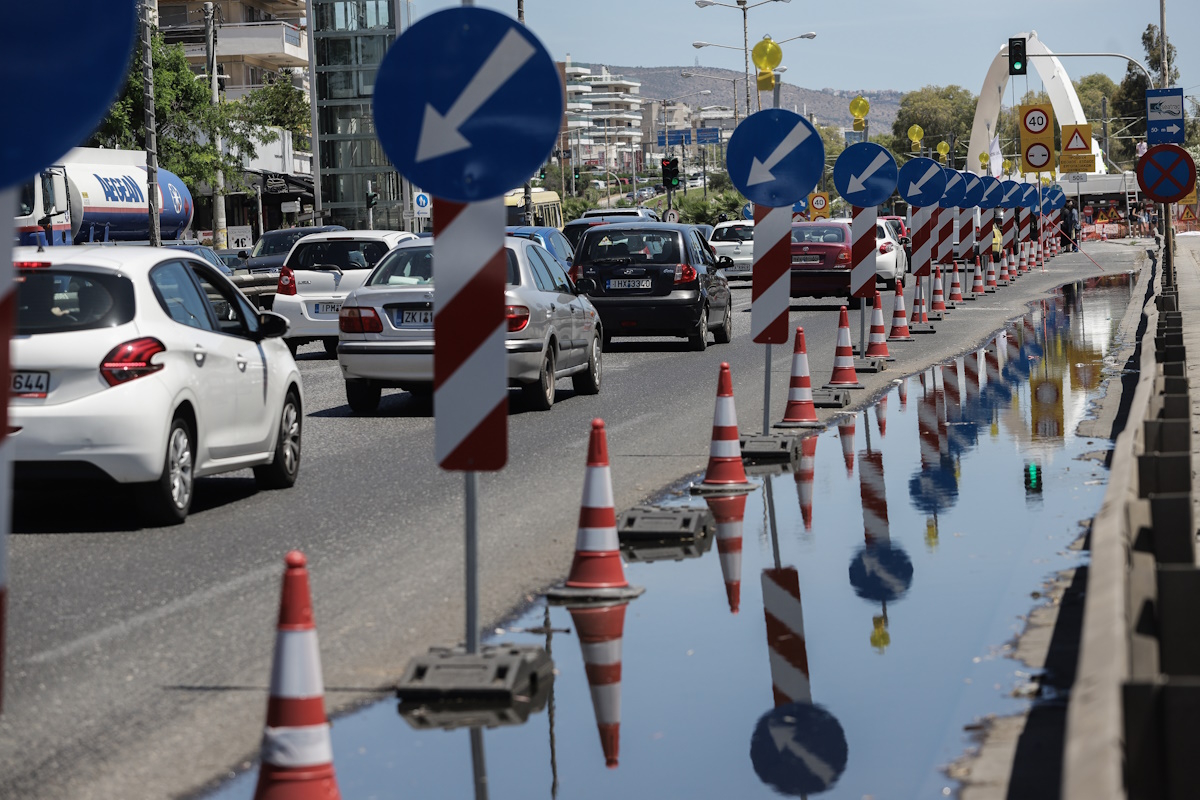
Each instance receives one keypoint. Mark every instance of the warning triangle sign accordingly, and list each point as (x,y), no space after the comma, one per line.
(1077,144)
(1187,215)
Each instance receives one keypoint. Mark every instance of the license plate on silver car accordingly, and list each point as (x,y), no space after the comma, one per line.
(806,259)
(30,384)
(629,283)
(413,319)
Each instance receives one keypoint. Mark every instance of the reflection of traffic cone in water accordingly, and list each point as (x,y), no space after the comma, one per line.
(596,571)
(805,473)
(970,378)
(785,636)
(800,411)
(899,332)
(846,434)
(297,755)
(952,393)
(881,415)
(600,630)
(725,470)
(728,513)
(843,356)
(902,391)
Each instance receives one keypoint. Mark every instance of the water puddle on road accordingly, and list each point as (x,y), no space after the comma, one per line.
(841,625)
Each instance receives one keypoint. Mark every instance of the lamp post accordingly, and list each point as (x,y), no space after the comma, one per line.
(687,74)
(667,125)
(744,6)
(746,45)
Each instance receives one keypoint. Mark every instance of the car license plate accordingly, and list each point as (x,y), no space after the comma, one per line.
(326,308)
(629,283)
(806,259)
(30,384)
(413,319)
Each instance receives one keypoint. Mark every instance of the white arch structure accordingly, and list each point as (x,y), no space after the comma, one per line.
(1065,102)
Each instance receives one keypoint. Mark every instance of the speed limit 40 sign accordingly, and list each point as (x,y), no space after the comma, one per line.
(1037,121)
(818,205)
(1037,137)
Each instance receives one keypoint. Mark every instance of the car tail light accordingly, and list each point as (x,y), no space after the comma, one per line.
(287,282)
(885,248)
(576,272)
(352,319)
(517,316)
(685,274)
(31,264)
(843,256)
(131,360)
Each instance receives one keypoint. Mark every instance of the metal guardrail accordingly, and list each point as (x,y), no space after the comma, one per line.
(1130,722)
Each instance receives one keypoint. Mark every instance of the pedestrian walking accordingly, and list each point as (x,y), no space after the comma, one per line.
(1072,222)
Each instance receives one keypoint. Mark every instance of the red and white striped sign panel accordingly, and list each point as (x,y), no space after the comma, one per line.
(8,303)
(922,240)
(862,251)
(770,295)
(470,365)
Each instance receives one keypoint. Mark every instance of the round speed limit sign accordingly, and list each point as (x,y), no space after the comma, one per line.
(819,202)
(1036,121)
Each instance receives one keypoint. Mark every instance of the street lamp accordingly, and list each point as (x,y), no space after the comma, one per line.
(686,74)
(744,7)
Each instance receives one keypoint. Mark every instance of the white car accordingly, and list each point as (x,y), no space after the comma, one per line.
(145,365)
(735,240)
(890,260)
(387,327)
(320,270)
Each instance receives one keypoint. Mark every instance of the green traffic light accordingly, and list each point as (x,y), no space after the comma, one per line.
(1018,64)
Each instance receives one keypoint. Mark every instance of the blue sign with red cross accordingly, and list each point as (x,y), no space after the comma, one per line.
(1166,173)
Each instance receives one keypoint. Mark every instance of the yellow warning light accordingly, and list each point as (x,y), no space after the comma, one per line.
(983,159)
(860,107)
(766,81)
(1008,165)
(766,55)
(880,638)
(943,149)
(915,134)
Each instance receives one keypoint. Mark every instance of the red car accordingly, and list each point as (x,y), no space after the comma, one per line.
(821,260)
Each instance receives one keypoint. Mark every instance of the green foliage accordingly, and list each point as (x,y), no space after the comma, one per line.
(719,182)
(573,207)
(942,111)
(185,121)
(1091,88)
(1129,100)
(279,104)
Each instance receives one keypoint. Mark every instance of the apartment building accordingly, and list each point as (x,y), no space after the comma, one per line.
(604,117)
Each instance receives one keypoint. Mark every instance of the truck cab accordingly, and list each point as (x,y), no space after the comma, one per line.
(43,213)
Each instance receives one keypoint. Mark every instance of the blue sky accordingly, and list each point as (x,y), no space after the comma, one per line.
(861,44)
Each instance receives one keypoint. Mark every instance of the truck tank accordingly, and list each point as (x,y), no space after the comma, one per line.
(109,201)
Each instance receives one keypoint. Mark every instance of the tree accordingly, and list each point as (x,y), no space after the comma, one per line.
(719,182)
(279,104)
(942,111)
(1091,88)
(185,121)
(1129,100)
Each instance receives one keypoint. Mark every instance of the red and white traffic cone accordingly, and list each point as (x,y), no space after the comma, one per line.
(1002,277)
(881,416)
(939,297)
(844,375)
(846,426)
(877,339)
(919,316)
(977,287)
(596,571)
(1023,261)
(991,284)
(805,472)
(297,754)
(956,286)
(800,411)
(601,630)
(725,473)
(728,513)
(899,331)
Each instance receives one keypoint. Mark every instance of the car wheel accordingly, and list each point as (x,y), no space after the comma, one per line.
(889,284)
(588,381)
(167,500)
(540,393)
(282,471)
(699,340)
(607,341)
(363,396)
(724,334)
(293,346)
(330,347)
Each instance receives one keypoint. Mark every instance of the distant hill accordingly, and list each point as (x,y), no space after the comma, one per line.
(831,106)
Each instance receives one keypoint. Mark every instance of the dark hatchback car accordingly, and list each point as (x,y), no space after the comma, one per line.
(273,246)
(654,279)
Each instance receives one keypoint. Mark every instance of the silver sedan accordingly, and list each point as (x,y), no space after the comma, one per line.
(386,327)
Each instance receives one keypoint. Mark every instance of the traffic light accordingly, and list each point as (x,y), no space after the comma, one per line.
(372,199)
(542,174)
(1033,478)
(1017,65)
(577,173)
(670,168)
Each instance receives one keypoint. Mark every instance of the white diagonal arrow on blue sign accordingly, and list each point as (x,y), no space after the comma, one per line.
(915,186)
(858,182)
(760,171)
(991,188)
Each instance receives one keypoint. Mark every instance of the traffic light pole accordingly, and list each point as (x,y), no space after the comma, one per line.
(370,209)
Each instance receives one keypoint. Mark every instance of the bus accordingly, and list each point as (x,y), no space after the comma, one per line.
(547,208)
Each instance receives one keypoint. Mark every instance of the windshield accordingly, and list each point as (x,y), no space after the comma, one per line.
(63,299)
(413,266)
(734,233)
(25,204)
(818,233)
(278,243)
(337,254)
(614,245)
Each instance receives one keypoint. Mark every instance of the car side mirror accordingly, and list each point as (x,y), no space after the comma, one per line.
(904,240)
(585,286)
(271,325)
(243,255)
(725,261)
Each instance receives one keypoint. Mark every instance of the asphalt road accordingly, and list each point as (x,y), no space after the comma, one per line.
(139,660)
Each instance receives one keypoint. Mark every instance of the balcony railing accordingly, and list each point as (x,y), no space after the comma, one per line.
(279,43)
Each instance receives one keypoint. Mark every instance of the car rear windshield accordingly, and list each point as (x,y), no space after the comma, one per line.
(574,230)
(413,266)
(819,233)
(615,245)
(60,299)
(733,233)
(333,254)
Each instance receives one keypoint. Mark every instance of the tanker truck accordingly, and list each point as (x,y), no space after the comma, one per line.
(99,195)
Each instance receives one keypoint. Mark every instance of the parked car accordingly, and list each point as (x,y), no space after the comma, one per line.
(550,238)
(207,253)
(319,272)
(735,240)
(654,279)
(234,259)
(386,327)
(272,247)
(146,366)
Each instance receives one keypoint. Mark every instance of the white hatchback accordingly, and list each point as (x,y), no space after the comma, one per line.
(146,366)
(320,270)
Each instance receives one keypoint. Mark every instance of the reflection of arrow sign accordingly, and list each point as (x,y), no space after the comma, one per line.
(858,182)
(915,186)
(782,733)
(439,134)
(875,569)
(760,171)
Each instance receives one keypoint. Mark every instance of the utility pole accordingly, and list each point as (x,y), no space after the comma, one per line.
(528,185)
(220,231)
(149,23)
(318,214)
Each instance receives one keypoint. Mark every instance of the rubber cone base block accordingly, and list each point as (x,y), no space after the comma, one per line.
(721,489)
(572,594)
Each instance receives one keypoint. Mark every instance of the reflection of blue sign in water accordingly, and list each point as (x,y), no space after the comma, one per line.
(668,138)
(1012,194)
(865,174)
(973,192)
(881,572)
(485,112)
(708,136)
(921,182)
(775,157)
(60,92)
(799,749)
(956,187)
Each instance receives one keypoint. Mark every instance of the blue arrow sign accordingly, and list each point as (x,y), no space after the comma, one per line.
(881,572)
(748,211)
(865,174)
(974,190)
(1029,195)
(921,182)
(775,157)
(1164,116)
(57,94)
(991,192)
(800,206)
(799,749)
(956,187)
(485,112)
(1011,194)
(1058,198)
